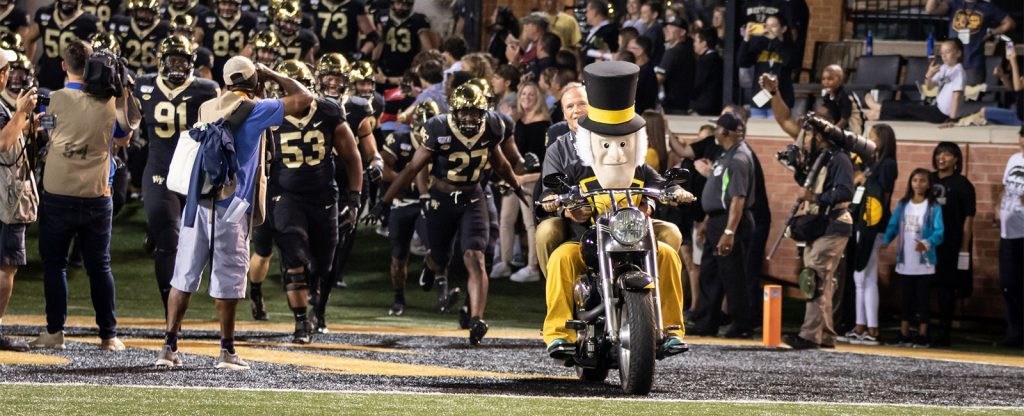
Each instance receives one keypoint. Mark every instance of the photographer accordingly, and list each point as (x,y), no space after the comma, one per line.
(76,200)
(825,204)
(14,161)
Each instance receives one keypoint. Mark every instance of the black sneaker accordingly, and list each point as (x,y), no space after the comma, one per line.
(464,317)
(426,279)
(319,320)
(798,343)
(738,334)
(397,309)
(303,333)
(921,341)
(477,330)
(446,298)
(259,310)
(7,344)
(904,341)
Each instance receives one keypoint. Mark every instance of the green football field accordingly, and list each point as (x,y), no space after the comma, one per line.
(19,399)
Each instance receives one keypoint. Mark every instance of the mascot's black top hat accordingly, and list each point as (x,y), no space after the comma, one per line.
(611,90)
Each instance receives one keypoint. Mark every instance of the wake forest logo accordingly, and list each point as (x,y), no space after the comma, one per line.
(969,19)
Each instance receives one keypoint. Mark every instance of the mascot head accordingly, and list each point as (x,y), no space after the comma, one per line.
(611,138)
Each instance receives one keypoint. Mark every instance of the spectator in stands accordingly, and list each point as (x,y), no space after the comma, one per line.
(718,21)
(452,50)
(770,53)
(557,84)
(504,84)
(917,224)
(973,22)
(838,101)
(562,23)
(566,59)
(955,193)
(626,56)
(633,17)
(625,36)
(707,84)
(529,133)
(431,80)
(13,122)
(504,25)
(647,84)
(550,44)
(676,69)
(651,13)
(999,115)
(603,35)
(949,78)
(871,217)
(691,249)
(657,132)
(478,65)
(534,26)
(1011,245)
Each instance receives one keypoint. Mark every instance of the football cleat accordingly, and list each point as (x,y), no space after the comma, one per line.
(477,330)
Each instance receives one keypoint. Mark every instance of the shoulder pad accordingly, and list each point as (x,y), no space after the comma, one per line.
(330,108)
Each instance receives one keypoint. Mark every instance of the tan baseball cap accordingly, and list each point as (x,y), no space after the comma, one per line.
(6,57)
(238,68)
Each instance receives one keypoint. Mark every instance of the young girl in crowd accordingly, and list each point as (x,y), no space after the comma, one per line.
(917,223)
(948,77)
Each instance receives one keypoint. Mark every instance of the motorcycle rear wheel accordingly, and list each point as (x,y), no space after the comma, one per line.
(637,342)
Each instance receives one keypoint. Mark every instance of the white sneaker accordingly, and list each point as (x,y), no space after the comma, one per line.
(168,358)
(526,275)
(231,361)
(851,337)
(48,340)
(500,270)
(867,339)
(112,344)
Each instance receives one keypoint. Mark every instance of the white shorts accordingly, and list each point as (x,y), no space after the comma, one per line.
(230,263)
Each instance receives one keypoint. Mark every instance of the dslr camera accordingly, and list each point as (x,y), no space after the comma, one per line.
(799,160)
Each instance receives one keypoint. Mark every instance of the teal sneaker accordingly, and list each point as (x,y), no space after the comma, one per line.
(672,345)
(561,349)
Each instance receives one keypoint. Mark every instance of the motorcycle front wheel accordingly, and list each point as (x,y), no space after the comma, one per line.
(637,342)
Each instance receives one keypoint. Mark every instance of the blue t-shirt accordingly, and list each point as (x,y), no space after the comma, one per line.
(266,114)
(976,17)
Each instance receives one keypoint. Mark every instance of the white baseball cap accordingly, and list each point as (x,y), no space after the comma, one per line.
(6,57)
(240,66)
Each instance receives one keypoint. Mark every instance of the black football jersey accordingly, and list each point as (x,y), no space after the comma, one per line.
(357,109)
(56,32)
(104,10)
(167,112)
(204,58)
(139,47)
(401,43)
(402,146)
(198,12)
(299,46)
(303,162)
(337,24)
(12,18)
(461,160)
(226,39)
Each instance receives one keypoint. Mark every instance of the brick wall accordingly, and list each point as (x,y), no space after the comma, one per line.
(826,24)
(984,165)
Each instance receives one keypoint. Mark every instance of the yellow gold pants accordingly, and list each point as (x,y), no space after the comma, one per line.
(567,262)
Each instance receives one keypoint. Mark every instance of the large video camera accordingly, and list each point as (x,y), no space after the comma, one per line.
(799,160)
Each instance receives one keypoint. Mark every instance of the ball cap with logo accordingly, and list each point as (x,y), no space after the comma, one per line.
(730,121)
(6,57)
(611,90)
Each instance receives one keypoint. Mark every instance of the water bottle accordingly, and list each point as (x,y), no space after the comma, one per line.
(869,48)
(931,46)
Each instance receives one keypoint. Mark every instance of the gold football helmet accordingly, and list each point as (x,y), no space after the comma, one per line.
(106,41)
(333,65)
(178,70)
(297,70)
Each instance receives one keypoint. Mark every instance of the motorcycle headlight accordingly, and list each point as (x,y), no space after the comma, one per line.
(628,226)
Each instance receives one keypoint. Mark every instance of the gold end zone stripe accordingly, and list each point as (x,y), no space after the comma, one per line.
(611,116)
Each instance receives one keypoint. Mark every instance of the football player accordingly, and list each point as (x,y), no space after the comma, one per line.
(104,10)
(57,25)
(192,8)
(19,79)
(296,42)
(139,34)
(170,105)
(13,19)
(226,31)
(185,25)
(404,218)
(265,48)
(334,75)
(339,24)
(405,34)
(459,145)
(306,213)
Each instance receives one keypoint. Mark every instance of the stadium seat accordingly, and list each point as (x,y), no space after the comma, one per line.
(917,67)
(879,72)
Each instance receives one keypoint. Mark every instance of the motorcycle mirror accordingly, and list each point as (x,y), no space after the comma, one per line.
(558,182)
(677,176)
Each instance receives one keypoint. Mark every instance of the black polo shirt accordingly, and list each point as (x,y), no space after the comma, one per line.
(732,175)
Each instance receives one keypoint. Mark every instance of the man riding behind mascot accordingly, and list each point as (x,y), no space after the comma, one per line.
(611,144)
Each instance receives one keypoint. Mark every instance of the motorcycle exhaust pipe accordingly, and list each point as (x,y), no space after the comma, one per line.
(591,314)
